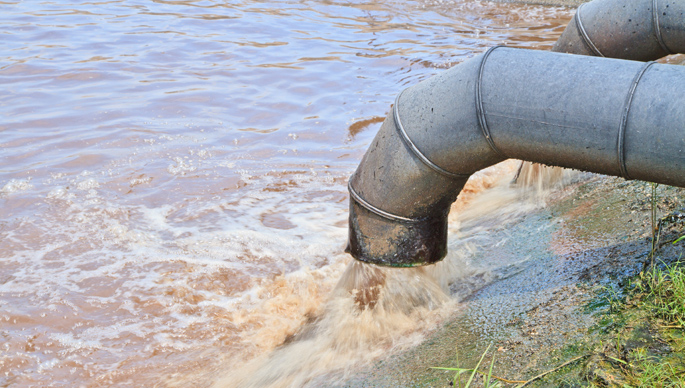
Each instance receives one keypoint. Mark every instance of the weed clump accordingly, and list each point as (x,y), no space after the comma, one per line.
(643,328)
(663,292)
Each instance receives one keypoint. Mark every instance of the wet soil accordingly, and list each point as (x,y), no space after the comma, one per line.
(595,233)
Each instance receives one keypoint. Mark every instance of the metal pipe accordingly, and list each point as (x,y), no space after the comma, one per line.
(608,116)
(641,30)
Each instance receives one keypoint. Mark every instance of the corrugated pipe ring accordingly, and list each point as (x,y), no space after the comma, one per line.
(624,120)
(584,35)
(379,212)
(657,27)
(415,150)
(480,111)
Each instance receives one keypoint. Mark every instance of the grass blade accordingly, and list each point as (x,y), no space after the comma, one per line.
(468,383)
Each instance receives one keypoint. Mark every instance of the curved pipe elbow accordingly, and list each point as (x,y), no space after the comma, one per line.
(607,116)
(402,190)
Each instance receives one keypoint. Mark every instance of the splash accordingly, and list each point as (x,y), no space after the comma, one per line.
(374,311)
(537,178)
(371,311)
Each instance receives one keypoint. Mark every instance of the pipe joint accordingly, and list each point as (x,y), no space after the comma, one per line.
(414,148)
(639,30)
(548,108)
(609,116)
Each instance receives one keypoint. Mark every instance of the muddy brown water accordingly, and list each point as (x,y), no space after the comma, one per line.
(173,180)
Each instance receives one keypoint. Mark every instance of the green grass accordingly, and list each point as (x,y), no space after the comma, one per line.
(639,340)
(663,293)
(645,341)
(487,383)
(649,372)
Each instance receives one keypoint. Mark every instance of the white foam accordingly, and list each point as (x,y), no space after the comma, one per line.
(182,166)
(88,184)
(16,185)
(70,341)
(58,193)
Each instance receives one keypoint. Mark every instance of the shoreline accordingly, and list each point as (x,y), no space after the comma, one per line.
(531,312)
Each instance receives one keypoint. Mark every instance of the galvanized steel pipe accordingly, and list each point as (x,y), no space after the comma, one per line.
(641,30)
(608,116)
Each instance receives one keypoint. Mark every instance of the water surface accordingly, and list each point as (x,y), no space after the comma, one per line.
(173,173)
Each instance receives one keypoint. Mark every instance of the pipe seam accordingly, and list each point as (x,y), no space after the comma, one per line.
(375,210)
(584,35)
(624,120)
(588,113)
(480,111)
(657,27)
(415,150)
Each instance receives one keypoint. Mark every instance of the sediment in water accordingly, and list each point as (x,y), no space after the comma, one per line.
(375,311)
(370,311)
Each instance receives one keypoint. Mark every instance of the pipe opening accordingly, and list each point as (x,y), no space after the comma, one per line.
(404,244)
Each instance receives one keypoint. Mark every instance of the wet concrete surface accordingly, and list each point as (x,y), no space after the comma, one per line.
(594,233)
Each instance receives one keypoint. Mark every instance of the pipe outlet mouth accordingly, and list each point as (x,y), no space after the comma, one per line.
(388,242)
